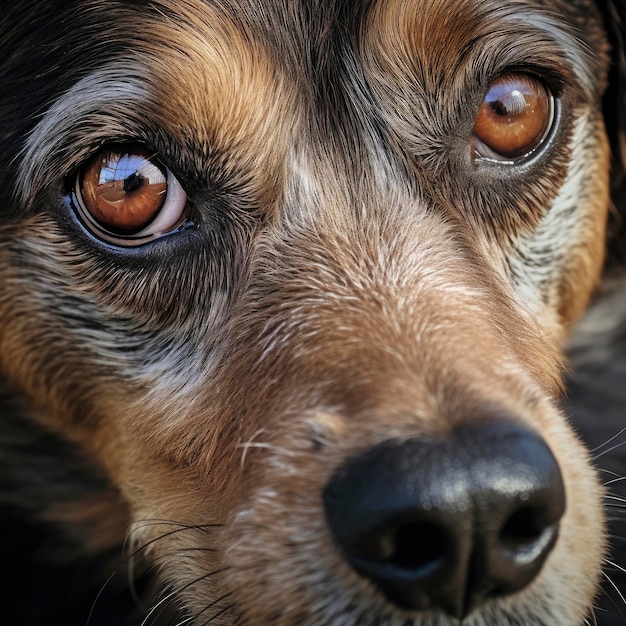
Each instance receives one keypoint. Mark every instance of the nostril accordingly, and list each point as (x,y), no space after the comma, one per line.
(521,546)
(524,527)
(418,547)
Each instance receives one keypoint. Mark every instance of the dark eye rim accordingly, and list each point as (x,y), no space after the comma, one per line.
(117,240)
(542,144)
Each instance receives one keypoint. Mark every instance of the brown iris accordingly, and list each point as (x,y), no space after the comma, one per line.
(514,117)
(124,190)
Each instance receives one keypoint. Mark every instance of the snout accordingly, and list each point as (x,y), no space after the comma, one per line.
(447,524)
(398,474)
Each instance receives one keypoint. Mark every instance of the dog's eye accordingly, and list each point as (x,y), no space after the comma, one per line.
(514,118)
(126,197)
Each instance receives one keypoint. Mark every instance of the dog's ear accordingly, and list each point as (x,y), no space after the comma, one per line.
(615,119)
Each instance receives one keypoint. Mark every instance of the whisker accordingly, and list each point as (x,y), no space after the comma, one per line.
(604,470)
(615,480)
(128,560)
(247,444)
(618,499)
(611,449)
(102,589)
(619,593)
(211,605)
(140,525)
(613,438)
(174,592)
(181,528)
(616,566)
(160,603)
(228,608)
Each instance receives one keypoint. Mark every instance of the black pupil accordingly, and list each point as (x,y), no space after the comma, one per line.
(133,182)
(500,108)
(508,103)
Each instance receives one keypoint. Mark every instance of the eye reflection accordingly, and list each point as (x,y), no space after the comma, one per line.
(124,194)
(514,118)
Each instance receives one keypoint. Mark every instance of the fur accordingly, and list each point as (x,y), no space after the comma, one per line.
(347,274)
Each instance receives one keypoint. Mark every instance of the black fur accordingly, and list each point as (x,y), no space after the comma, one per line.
(596,401)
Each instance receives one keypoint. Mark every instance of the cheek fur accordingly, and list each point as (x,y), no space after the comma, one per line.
(556,266)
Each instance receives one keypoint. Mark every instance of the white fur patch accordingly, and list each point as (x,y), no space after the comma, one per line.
(101,106)
(538,257)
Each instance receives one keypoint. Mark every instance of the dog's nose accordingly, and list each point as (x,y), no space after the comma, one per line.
(448,524)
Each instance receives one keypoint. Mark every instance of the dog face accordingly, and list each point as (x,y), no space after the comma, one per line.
(297,275)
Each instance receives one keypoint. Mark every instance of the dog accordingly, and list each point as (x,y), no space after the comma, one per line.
(285,289)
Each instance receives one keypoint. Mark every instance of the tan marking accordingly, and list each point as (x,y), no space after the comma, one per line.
(220,89)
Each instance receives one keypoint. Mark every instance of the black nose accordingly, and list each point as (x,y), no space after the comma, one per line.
(447,524)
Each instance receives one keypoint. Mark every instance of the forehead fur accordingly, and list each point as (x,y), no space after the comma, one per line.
(435,36)
(208,79)
(222,92)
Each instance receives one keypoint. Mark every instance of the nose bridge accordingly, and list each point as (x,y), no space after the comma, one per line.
(378,306)
(329,183)
(366,295)
(371,244)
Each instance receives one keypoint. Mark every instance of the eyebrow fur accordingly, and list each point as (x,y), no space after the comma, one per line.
(108,104)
